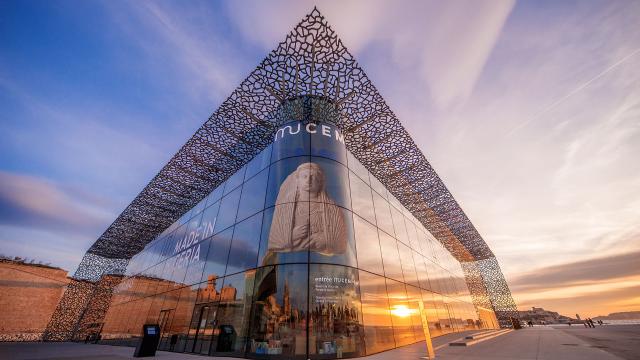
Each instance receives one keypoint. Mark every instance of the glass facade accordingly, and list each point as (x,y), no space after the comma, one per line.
(300,254)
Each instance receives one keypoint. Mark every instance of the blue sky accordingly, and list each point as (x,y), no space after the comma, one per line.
(529,111)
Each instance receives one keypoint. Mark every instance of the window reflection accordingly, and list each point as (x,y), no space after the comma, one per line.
(232,321)
(229,206)
(414,300)
(357,167)
(433,320)
(361,198)
(203,326)
(279,312)
(399,226)
(408,267)
(375,313)
(253,193)
(259,162)
(390,256)
(401,313)
(218,254)
(383,214)
(244,247)
(368,246)
(328,141)
(335,320)
(235,180)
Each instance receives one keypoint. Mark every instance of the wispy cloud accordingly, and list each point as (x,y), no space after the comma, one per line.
(582,272)
(593,286)
(32,202)
(417,34)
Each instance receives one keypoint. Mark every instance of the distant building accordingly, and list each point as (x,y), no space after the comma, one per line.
(539,315)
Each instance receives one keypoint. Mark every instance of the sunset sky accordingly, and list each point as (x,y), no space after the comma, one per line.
(529,112)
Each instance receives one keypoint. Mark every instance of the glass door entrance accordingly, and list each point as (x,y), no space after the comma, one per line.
(202,328)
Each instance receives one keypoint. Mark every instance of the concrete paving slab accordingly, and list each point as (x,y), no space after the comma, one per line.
(539,343)
(620,340)
(544,343)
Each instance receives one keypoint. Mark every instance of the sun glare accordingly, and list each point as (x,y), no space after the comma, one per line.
(401,310)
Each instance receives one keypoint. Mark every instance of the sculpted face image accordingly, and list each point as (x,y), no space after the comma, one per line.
(307,218)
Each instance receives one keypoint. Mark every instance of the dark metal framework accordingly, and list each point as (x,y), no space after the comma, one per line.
(311,61)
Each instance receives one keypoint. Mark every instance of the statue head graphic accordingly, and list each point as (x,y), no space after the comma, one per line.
(310,178)
(306,217)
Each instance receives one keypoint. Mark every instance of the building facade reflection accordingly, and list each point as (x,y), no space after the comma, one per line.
(302,253)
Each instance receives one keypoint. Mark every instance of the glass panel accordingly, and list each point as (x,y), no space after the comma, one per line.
(400,313)
(328,141)
(228,210)
(335,328)
(216,194)
(408,267)
(284,237)
(432,268)
(383,214)
(218,254)
(421,269)
(196,260)
(233,314)
(326,181)
(414,299)
(208,221)
(357,167)
(284,185)
(435,328)
(203,323)
(378,187)
(398,225)
(166,315)
(259,162)
(291,140)
(279,312)
(199,207)
(443,313)
(253,194)
(361,198)
(331,235)
(180,325)
(390,257)
(197,335)
(368,246)
(179,270)
(235,180)
(244,247)
(413,236)
(376,316)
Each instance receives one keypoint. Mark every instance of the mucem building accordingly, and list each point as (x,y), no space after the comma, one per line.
(300,221)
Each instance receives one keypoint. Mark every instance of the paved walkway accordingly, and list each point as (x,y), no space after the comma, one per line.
(539,343)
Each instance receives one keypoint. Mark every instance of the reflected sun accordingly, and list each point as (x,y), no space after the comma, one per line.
(401,310)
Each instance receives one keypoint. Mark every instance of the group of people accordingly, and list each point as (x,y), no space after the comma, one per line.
(588,323)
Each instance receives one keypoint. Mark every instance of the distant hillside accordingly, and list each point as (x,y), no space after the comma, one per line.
(627,315)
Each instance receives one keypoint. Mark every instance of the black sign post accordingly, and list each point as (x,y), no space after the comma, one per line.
(149,342)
